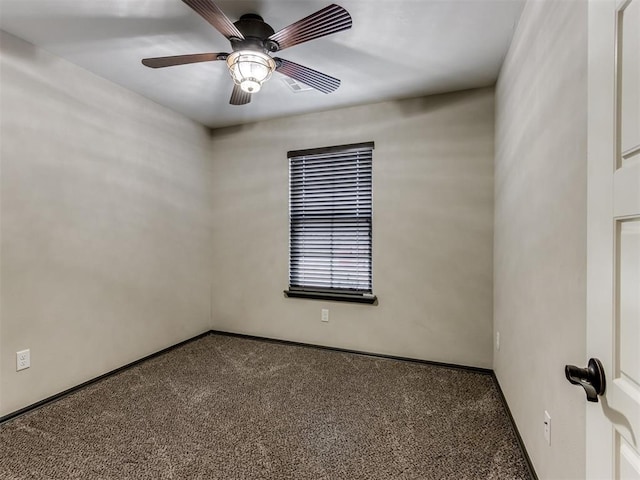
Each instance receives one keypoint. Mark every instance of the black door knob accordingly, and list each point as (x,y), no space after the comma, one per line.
(592,378)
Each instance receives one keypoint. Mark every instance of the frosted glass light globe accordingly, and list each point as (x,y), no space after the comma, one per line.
(250,69)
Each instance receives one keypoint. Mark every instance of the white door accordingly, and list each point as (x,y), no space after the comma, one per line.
(613,236)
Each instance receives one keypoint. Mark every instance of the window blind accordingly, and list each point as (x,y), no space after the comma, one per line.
(330,211)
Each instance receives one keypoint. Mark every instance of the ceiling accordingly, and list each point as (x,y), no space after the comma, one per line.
(396,49)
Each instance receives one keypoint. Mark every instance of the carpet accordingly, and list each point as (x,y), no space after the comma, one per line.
(224,407)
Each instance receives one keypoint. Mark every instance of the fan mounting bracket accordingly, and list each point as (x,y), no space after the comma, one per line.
(271,45)
(252,25)
(256,34)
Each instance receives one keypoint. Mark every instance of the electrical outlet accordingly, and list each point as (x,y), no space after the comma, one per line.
(497,340)
(23,359)
(547,427)
(325,315)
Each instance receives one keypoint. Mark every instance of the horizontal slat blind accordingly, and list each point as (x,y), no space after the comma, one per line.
(330,219)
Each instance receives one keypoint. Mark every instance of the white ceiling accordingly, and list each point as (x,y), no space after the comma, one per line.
(396,49)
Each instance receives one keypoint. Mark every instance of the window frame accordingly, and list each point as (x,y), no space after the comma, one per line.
(316,292)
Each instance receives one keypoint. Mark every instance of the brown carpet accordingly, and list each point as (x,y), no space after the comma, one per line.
(231,408)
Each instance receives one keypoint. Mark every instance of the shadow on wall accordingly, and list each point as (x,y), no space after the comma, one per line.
(418,106)
(408,108)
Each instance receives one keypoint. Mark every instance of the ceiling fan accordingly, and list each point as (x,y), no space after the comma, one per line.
(252,41)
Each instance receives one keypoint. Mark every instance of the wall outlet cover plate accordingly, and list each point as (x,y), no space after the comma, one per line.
(23,359)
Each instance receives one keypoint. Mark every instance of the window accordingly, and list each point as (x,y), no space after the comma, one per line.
(330,223)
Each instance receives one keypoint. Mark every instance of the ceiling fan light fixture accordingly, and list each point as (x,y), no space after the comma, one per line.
(250,69)
(253,40)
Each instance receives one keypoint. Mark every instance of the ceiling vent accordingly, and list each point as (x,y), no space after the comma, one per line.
(296,86)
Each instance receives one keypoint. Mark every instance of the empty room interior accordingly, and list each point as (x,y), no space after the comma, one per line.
(286,239)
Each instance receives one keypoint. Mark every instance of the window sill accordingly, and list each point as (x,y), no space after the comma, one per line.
(337,297)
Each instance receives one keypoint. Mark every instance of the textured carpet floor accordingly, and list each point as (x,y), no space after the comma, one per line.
(231,408)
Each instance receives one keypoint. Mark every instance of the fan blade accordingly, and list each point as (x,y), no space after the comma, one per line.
(329,20)
(239,96)
(216,17)
(159,62)
(313,78)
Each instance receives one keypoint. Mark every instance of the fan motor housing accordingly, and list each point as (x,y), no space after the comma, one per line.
(256,34)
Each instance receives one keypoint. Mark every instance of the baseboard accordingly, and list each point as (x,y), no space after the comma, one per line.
(485,371)
(69,391)
(57,396)
(523,449)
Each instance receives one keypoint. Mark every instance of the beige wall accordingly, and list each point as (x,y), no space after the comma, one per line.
(108,252)
(105,225)
(540,230)
(432,229)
